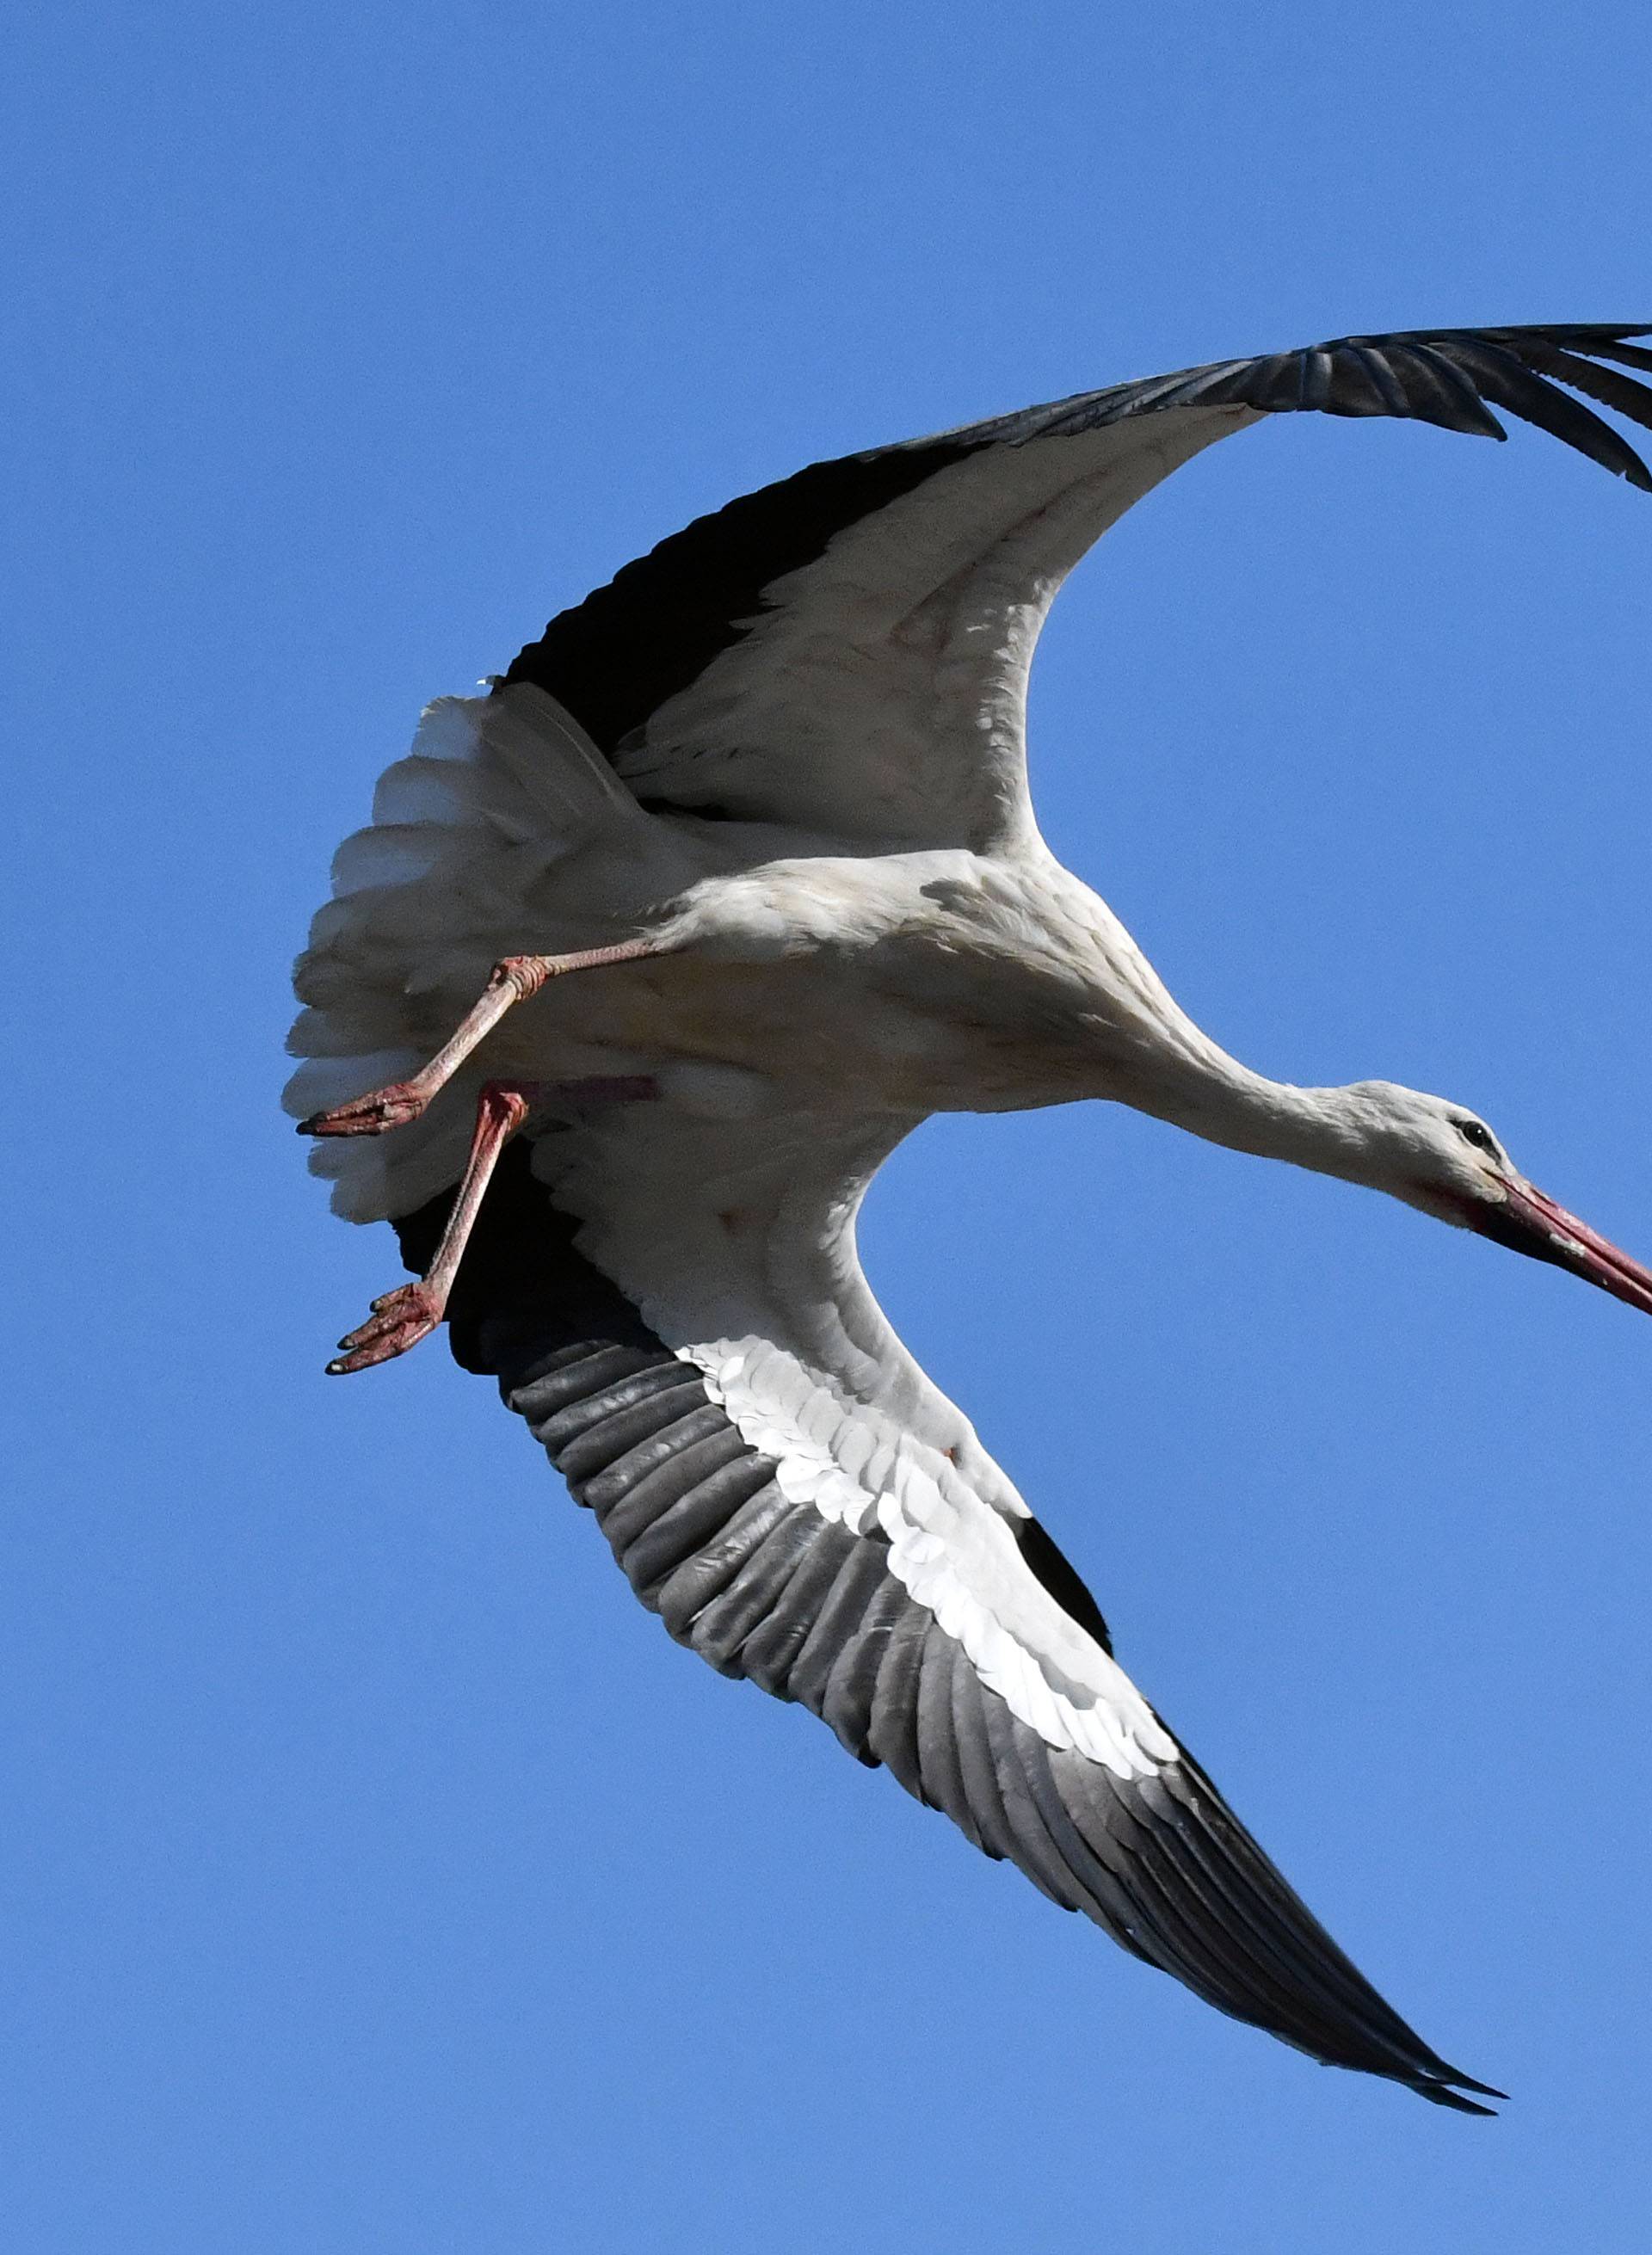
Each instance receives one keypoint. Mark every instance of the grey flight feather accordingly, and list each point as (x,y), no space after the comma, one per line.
(773,1591)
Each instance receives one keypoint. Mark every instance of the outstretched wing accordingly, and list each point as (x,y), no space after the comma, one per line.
(687,1332)
(847,651)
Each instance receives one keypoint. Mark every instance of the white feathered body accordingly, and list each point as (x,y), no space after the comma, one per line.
(849,983)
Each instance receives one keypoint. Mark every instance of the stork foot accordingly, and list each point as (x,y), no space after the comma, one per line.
(399,1320)
(375,1113)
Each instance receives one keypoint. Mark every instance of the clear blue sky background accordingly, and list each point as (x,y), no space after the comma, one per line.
(376,1875)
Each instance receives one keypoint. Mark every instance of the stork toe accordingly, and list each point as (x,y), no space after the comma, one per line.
(372,1114)
(399,1320)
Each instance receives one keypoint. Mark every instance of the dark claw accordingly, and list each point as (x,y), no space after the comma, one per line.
(372,1114)
(400,1320)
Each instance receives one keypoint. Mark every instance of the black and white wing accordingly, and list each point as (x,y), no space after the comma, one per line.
(847,651)
(687,1332)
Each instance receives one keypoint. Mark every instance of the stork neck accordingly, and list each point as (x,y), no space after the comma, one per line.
(1212,1095)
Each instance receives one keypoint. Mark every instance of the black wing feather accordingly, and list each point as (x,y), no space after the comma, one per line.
(613,659)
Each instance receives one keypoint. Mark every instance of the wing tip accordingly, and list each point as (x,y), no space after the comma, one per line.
(1449,2089)
(1454,377)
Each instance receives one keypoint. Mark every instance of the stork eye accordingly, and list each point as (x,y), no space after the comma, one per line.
(1474,1132)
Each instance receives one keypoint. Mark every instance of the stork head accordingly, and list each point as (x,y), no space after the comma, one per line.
(1444,1158)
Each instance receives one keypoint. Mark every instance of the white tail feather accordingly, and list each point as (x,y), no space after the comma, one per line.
(495,792)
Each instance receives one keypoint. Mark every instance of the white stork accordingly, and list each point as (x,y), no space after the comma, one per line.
(740,859)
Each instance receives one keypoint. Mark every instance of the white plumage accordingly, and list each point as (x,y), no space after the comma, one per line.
(748,835)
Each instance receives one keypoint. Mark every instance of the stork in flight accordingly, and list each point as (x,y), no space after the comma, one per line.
(740,860)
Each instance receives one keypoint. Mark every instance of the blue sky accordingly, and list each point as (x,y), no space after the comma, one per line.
(377,1876)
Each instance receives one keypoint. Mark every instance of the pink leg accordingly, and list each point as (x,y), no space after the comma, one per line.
(401,1318)
(511,981)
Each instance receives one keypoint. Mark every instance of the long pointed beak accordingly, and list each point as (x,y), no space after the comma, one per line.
(1530,1222)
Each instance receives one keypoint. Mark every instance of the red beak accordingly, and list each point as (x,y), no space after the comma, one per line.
(1532,1223)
